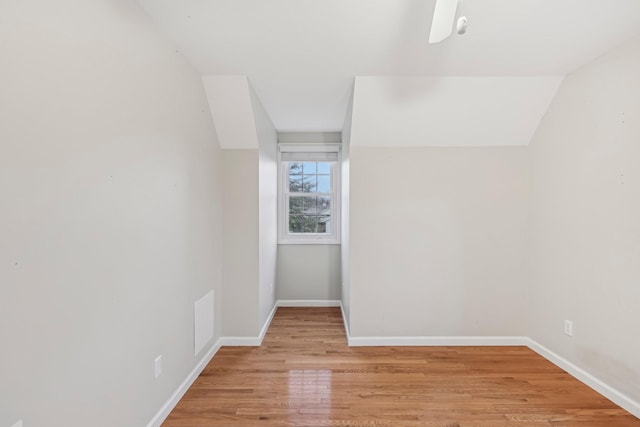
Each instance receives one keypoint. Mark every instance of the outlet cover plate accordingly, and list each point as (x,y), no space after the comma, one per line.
(568,328)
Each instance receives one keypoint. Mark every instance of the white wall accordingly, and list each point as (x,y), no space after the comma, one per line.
(345,253)
(110,213)
(267,207)
(308,272)
(250,218)
(240,260)
(438,241)
(586,228)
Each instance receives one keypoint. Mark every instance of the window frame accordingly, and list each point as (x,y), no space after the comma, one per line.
(284,236)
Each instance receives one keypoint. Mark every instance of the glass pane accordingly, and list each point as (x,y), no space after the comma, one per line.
(324,167)
(309,168)
(295,183)
(310,206)
(310,224)
(296,205)
(324,224)
(309,183)
(324,183)
(308,213)
(296,223)
(324,205)
(295,168)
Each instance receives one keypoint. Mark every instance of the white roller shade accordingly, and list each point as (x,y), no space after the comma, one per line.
(310,153)
(309,157)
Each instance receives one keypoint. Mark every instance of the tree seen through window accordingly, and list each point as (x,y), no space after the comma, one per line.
(309,197)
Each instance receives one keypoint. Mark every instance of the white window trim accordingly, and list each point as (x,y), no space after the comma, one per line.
(286,238)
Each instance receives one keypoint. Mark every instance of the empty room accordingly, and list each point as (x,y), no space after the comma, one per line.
(320,213)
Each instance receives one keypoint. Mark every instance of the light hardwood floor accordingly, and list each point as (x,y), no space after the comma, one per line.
(304,374)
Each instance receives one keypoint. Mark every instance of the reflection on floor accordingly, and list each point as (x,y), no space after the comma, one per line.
(304,374)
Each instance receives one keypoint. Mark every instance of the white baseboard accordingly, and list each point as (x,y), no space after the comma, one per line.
(256,341)
(437,341)
(308,303)
(346,324)
(583,376)
(580,374)
(267,322)
(252,341)
(241,341)
(168,406)
(166,409)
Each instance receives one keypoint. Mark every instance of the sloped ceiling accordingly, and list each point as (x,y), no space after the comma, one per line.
(449,111)
(301,56)
(229,100)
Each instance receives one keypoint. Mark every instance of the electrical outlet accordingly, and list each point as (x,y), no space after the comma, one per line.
(568,328)
(158,366)
(18,424)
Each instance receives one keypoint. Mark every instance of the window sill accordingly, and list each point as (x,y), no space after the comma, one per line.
(308,242)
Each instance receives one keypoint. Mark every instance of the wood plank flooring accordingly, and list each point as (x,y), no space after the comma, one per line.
(304,374)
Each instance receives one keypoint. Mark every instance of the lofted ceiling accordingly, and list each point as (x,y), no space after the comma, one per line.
(301,56)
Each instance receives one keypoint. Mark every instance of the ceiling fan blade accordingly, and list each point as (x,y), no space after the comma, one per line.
(443,16)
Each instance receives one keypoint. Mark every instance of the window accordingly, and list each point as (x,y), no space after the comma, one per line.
(309,193)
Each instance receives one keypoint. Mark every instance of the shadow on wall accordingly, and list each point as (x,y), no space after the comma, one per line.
(600,365)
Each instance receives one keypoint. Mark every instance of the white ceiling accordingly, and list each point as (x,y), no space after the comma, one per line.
(301,55)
